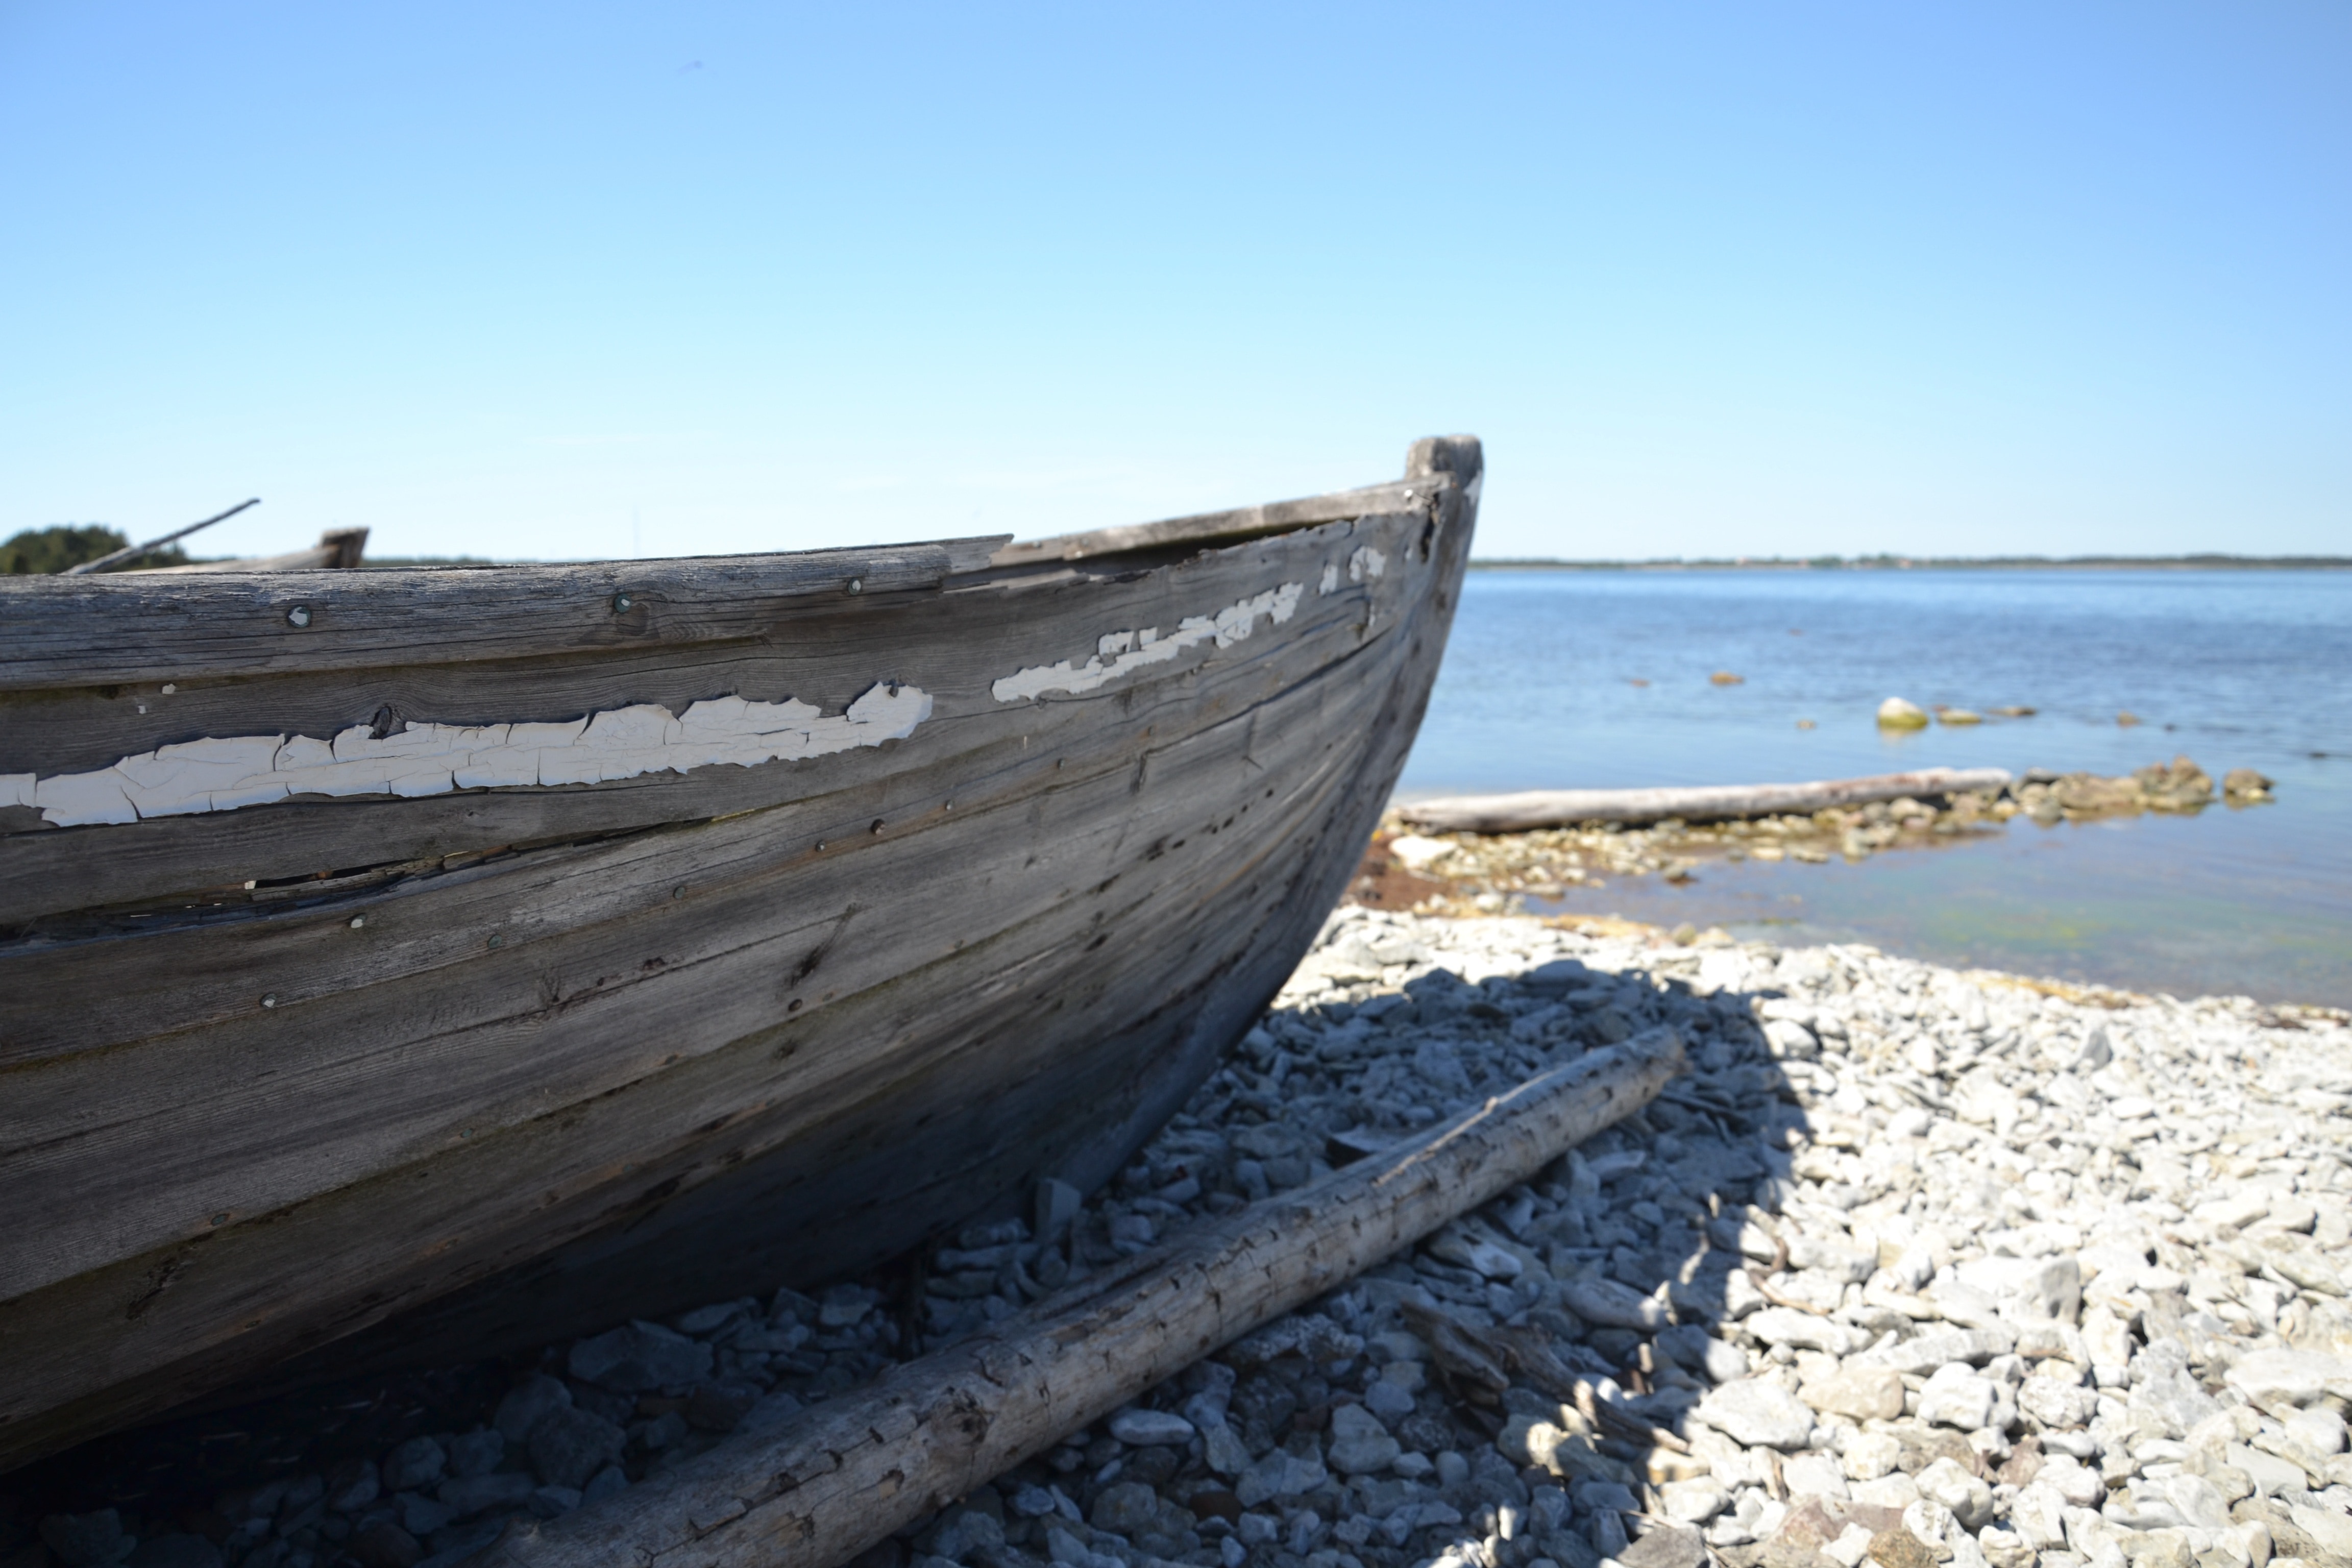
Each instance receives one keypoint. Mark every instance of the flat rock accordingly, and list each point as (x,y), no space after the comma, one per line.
(1142,1428)
(1756,1415)
(2291,1377)
(1859,1394)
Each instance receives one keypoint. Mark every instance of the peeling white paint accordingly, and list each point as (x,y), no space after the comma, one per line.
(1130,651)
(1330,584)
(1366,563)
(436,759)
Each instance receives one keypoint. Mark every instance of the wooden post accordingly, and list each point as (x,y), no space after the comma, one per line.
(845,1474)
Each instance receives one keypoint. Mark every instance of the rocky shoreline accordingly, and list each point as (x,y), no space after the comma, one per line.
(1464,873)
(1912,1267)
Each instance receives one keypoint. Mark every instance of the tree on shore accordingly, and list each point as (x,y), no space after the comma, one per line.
(39,551)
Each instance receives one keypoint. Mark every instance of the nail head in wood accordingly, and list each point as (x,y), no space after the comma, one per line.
(300,616)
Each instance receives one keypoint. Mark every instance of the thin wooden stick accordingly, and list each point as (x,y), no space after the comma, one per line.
(1563,808)
(844,1475)
(132,552)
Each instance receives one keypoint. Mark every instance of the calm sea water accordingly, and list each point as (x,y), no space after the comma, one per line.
(2232,669)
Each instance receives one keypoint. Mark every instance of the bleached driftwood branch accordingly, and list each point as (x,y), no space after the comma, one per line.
(840,1476)
(1560,807)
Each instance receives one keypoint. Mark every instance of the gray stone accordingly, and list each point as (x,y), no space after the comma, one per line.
(1799,1330)
(2042,1289)
(1142,1428)
(527,1403)
(466,1496)
(419,1462)
(1956,1398)
(1124,1507)
(1928,1351)
(640,1358)
(610,1481)
(2290,1376)
(1612,1305)
(720,1406)
(1968,1499)
(420,1515)
(1756,1415)
(2054,1402)
(1862,1394)
(353,1486)
(476,1453)
(176,1551)
(1360,1446)
(384,1544)
(1664,1546)
(1281,1474)
(87,1540)
(569,1446)
(2321,1431)
(2174,1401)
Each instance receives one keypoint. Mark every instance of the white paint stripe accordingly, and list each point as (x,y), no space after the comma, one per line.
(438,759)
(1132,650)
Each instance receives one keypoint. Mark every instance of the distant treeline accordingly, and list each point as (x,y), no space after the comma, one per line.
(2205,562)
(39,551)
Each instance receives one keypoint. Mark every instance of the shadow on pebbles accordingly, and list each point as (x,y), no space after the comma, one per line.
(1911,1267)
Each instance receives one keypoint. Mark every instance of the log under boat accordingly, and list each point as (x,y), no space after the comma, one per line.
(424,962)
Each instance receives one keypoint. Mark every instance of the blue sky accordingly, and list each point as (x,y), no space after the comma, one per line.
(583,281)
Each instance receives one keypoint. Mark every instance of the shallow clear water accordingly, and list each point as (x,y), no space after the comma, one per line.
(2232,669)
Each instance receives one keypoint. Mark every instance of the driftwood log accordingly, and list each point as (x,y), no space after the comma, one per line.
(841,1476)
(1562,807)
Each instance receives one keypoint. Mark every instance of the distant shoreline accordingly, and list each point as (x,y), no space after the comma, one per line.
(1934,563)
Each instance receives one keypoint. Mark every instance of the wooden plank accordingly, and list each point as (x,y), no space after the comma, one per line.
(989,630)
(844,1475)
(1220,527)
(146,977)
(117,1150)
(151,626)
(1564,807)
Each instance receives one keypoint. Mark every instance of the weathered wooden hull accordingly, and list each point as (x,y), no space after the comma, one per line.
(478,1062)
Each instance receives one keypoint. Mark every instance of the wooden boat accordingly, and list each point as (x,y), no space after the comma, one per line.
(456,959)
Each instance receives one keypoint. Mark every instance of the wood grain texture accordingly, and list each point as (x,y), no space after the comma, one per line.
(531,1059)
(1538,808)
(840,1476)
(145,626)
